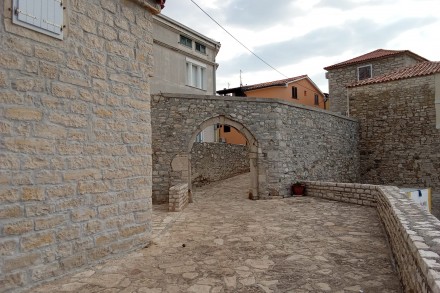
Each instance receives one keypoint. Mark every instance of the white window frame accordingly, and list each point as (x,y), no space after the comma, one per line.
(371,71)
(49,21)
(196,79)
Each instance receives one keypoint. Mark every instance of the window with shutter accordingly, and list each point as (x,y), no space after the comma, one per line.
(44,16)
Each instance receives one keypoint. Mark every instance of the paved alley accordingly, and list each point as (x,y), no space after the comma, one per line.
(224,242)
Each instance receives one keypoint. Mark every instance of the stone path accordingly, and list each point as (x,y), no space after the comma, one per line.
(224,242)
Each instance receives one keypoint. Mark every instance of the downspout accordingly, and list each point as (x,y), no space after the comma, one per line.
(214,82)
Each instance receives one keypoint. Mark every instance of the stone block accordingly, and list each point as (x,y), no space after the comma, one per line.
(44,272)
(11,211)
(24,114)
(49,54)
(29,145)
(69,232)
(50,222)
(37,240)
(92,187)
(9,195)
(18,227)
(83,214)
(33,193)
(12,281)
(21,261)
(8,246)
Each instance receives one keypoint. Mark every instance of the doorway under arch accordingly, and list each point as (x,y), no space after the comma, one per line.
(252,144)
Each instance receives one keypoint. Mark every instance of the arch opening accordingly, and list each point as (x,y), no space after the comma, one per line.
(220,126)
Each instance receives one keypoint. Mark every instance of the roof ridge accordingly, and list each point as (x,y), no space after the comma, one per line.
(374,55)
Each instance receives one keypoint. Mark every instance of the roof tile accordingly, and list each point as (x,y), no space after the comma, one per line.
(374,55)
(281,82)
(419,69)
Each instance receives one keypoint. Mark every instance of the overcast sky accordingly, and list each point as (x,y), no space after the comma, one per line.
(303,36)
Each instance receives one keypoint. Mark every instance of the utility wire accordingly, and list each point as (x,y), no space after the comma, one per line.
(313,90)
(237,39)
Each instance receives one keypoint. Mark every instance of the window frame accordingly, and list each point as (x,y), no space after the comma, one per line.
(370,66)
(200,75)
(38,26)
(183,41)
(316,99)
(200,46)
(294,92)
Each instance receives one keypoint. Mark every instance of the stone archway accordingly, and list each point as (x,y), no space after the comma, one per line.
(252,144)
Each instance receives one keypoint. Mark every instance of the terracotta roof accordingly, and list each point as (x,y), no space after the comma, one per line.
(419,69)
(377,54)
(281,82)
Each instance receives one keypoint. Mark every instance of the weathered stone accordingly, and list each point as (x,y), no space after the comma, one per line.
(55,126)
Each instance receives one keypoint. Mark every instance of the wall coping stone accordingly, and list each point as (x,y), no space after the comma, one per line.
(252,99)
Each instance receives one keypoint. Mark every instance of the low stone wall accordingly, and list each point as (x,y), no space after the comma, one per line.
(413,234)
(346,192)
(212,162)
(178,197)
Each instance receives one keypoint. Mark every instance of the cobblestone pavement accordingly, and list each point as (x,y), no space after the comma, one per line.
(224,242)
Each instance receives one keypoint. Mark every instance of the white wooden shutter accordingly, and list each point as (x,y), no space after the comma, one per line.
(45,16)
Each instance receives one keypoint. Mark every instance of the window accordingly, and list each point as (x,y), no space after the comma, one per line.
(316,99)
(364,72)
(186,41)
(305,93)
(195,74)
(294,93)
(200,48)
(226,128)
(199,137)
(44,16)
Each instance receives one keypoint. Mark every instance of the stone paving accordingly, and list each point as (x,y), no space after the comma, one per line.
(224,242)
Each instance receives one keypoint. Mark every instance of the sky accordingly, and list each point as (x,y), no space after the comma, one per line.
(304,36)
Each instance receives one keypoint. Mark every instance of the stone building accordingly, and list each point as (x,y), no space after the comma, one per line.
(399,115)
(75,134)
(366,66)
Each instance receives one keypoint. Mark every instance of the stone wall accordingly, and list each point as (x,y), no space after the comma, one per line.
(75,140)
(292,142)
(413,233)
(339,78)
(399,141)
(212,162)
(178,197)
(360,194)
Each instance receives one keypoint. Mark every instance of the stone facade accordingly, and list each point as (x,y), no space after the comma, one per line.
(399,141)
(339,78)
(212,162)
(75,140)
(413,233)
(288,142)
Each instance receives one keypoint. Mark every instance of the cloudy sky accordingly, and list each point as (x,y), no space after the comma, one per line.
(303,36)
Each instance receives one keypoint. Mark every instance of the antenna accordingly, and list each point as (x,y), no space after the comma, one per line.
(241,82)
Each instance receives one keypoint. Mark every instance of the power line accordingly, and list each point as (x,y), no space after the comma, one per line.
(261,59)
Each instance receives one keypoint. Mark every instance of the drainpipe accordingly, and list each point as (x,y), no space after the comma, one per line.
(348,104)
